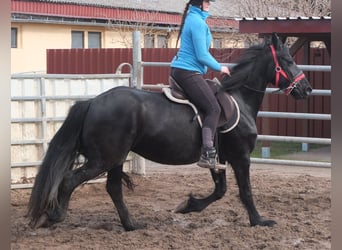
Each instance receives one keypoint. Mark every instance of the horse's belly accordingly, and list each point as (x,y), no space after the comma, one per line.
(174,149)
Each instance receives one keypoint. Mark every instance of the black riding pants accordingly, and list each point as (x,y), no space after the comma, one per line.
(200,94)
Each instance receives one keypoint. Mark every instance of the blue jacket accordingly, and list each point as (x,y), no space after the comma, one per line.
(194,53)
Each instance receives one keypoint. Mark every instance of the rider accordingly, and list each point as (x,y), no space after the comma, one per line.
(190,65)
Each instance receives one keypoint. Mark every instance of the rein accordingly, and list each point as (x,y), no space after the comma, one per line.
(280,71)
(255,90)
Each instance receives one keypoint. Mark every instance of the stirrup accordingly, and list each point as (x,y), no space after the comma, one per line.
(208,159)
(216,166)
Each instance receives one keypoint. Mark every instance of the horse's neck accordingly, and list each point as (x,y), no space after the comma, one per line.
(252,77)
(250,98)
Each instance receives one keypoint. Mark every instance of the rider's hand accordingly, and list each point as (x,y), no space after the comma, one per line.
(225,70)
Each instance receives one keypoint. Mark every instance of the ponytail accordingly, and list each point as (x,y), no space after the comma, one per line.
(183,20)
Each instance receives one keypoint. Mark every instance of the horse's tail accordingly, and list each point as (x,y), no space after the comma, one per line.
(59,159)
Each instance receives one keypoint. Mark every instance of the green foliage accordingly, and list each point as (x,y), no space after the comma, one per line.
(281,149)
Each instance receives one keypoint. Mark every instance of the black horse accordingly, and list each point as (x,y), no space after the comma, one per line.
(106,128)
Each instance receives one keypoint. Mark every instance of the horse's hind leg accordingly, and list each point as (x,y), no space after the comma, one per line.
(114,188)
(70,181)
(242,174)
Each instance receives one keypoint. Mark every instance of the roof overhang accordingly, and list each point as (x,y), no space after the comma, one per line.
(98,14)
(305,28)
(296,26)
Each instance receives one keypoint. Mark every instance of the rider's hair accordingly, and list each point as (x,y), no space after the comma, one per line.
(183,20)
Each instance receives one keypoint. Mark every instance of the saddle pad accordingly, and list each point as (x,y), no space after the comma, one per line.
(167,93)
(232,117)
(230,111)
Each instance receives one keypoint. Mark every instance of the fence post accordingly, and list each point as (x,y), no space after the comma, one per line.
(138,162)
(137,70)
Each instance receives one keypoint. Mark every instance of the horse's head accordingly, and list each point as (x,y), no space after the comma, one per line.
(287,76)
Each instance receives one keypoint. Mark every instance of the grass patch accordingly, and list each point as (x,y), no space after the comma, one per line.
(278,149)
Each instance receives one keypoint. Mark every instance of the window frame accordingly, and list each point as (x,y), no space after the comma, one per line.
(149,41)
(14,43)
(74,44)
(217,43)
(90,33)
(162,41)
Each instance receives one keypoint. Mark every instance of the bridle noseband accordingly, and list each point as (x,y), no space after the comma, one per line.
(280,71)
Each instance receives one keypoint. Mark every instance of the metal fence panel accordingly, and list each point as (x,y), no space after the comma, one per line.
(107,59)
(39,104)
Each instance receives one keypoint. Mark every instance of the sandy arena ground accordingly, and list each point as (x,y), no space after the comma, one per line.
(298,198)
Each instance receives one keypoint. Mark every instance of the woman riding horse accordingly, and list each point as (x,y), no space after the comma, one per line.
(188,68)
(106,128)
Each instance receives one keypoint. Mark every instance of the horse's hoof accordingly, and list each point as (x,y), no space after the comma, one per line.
(264,222)
(43,221)
(190,205)
(269,223)
(183,207)
(135,226)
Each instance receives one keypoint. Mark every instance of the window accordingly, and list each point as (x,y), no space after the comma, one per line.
(77,39)
(162,41)
(14,37)
(94,39)
(149,41)
(217,43)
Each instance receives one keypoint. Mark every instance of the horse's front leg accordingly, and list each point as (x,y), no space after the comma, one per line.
(114,189)
(196,205)
(242,174)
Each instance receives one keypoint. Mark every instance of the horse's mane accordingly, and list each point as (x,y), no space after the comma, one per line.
(240,73)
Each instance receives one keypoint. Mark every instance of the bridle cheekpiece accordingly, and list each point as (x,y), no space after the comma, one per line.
(280,71)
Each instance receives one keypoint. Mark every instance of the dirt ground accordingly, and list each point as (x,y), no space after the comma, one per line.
(298,198)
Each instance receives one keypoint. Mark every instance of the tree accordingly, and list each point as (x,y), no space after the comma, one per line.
(142,20)
(284,8)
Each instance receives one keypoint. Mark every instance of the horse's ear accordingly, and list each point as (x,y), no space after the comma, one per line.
(275,40)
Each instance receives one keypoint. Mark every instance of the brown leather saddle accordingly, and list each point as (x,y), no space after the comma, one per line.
(230,112)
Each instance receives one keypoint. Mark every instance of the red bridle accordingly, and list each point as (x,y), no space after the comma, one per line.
(280,71)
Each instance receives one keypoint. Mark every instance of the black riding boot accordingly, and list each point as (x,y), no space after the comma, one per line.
(208,158)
